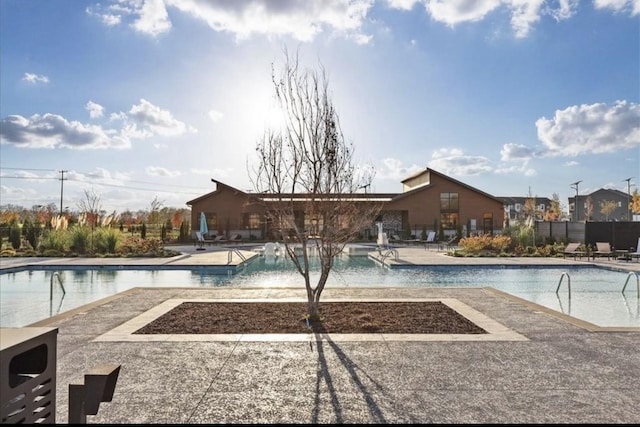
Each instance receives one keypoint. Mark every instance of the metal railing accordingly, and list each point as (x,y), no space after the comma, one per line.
(568,283)
(237,252)
(389,253)
(626,282)
(54,275)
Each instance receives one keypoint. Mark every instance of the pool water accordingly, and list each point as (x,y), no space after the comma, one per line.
(27,296)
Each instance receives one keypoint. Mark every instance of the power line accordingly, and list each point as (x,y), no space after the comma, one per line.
(194,191)
(27,177)
(26,169)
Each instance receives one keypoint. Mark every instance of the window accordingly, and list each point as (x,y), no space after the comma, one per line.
(487,223)
(448,202)
(542,207)
(313,224)
(517,207)
(252,221)
(212,220)
(449,221)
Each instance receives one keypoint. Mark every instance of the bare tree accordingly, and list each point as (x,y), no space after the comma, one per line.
(588,208)
(307,170)
(90,206)
(156,206)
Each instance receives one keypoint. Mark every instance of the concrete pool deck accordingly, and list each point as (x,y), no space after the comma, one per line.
(544,369)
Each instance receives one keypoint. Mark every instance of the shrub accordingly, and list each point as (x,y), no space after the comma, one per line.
(15,237)
(106,240)
(500,243)
(31,234)
(138,246)
(475,244)
(55,240)
(79,239)
(53,253)
(8,253)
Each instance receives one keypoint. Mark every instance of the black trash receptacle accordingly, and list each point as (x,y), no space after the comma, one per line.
(28,375)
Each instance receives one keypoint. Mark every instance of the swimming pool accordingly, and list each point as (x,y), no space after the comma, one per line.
(596,295)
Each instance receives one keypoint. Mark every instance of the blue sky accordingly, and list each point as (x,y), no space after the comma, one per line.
(139,100)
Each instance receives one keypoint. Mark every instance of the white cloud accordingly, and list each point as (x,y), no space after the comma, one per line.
(452,12)
(153,18)
(402,4)
(54,131)
(522,169)
(571,163)
(392,169)
(453,161)
(34,78)
(524,13)
(95,110)
(215,115)
(305,19)
(516,152)
(302,20)
(631,6)
(588,129)
(160,171)
(147,119)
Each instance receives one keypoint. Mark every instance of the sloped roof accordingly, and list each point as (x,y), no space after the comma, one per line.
(370,197)
(448,178)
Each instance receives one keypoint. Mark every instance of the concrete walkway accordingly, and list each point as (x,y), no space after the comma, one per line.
(533,367)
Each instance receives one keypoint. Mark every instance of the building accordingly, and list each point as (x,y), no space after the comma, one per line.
(430,201)
(515,208)
(590,206)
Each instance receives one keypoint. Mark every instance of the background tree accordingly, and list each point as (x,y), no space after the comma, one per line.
(554,212)
(635,203)
(309,155)
(588,208)
(90,206)
(530,208)
(607,207)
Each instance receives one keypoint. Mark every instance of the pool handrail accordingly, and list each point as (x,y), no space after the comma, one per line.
(55,274)
(568,283)
(626,282)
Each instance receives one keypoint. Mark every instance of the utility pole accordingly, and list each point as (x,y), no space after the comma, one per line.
(628,197)
(575,203)
(61,187)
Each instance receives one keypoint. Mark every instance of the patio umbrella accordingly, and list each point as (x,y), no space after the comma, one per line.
(204,229)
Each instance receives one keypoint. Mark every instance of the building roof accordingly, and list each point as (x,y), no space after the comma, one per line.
(363,197)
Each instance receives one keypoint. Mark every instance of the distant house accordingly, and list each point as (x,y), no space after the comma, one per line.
(515,211)
(596,200)
(430,201)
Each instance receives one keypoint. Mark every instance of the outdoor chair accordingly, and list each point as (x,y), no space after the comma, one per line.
(636,254)
(431,239)
(220,239)
(449,244)
(603,249)
(573,249)
(200,240)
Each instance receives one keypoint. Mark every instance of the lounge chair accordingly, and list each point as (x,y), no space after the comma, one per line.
(431,239)
(603,249)
(449,244)
(201,241)
(636,254)
(220,239)
(573,249)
